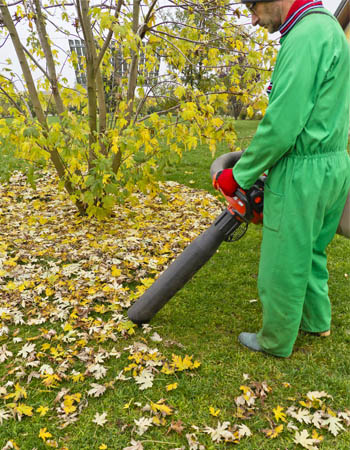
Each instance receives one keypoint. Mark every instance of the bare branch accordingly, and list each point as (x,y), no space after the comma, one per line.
(176,48)
(11,100)
(35,62)
(165,111)
(109,36)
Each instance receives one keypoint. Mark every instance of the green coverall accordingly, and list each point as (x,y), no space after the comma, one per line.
(302,142)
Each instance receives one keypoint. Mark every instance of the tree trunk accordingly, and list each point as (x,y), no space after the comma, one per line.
(54,155)
(43,36)
(132,80)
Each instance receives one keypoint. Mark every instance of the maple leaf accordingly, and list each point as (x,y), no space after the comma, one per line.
(315,395)
(135,445)
(97,390)
(214,412)
(193,443)
(345,416)
(11,444)
(316,436)
(176,426)
(19,393)
(243,431)
(143,424)
(334,425)
(26,350)
(42,410)
(145,379)
(171,387)
(98,371)
(219,433)
(185,363)
(4,415)
(317,419)
(23,409)
(279,414)
(100,419)
(44,434)
(273,432)
(305,441)
(302,415)
(156,338)
(161,407)
(51,380)
(292,426)
(4,353)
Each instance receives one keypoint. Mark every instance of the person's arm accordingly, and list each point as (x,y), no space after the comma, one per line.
(296,80)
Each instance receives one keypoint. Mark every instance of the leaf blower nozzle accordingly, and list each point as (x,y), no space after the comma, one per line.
(244,207)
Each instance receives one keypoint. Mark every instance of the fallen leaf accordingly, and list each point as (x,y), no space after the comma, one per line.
(100,419)
(272,433)
(176,426)
(302,438)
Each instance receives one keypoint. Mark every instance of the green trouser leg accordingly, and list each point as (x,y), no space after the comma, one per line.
(317,306)
(304,198)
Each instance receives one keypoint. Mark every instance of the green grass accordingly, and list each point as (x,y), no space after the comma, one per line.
(204,320)
(213,308)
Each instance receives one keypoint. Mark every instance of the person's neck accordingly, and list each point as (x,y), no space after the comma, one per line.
(285,7)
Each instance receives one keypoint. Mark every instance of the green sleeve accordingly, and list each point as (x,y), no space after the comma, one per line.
(295,84)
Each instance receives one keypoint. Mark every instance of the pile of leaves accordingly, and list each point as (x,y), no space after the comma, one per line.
(65,284)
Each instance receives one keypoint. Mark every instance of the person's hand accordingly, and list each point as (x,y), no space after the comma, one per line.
(224,180)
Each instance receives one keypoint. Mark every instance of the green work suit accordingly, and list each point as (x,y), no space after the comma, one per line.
(302,142)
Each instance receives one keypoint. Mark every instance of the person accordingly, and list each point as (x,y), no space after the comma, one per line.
(301,143)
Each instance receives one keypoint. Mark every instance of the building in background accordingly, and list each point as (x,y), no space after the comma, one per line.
(119,63)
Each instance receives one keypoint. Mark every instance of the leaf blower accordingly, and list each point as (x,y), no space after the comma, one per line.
(243,208)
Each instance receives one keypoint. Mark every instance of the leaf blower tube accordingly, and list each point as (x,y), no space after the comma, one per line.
(243,208)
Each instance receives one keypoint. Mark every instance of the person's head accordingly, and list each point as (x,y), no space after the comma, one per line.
(269,14)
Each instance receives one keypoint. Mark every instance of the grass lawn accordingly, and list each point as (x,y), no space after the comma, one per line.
(215,306)
(203,320)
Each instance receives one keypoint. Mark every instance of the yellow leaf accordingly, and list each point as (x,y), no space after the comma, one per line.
(167,370)
(250,111)
(279,414)
(69,407)
(214,412)
(171,387)
(163,409)
(49,292)
(11,286)
(43,434)
(317,436)
(116,272)
(331,412)
(42,410)
(67,327)
(180,91)
(103,447)
(272,434)
(25,410)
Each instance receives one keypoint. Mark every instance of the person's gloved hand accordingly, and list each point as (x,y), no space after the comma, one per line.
(224,180)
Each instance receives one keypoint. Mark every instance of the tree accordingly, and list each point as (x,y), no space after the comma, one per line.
(118,133)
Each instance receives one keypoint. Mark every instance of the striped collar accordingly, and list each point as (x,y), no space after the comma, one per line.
(296,12)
